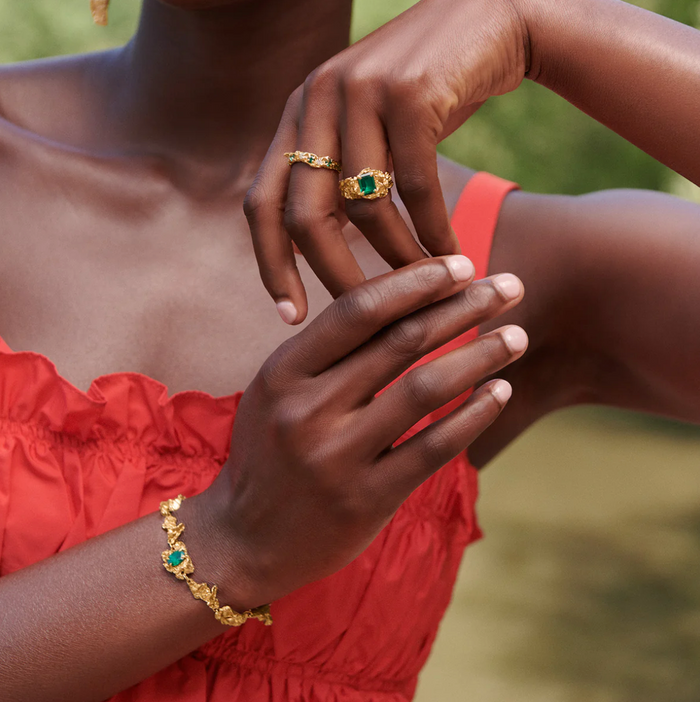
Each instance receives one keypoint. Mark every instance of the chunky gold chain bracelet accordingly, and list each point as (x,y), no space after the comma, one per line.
(177,561)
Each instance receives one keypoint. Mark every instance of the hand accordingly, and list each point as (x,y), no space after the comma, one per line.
(384,102)
(313,475)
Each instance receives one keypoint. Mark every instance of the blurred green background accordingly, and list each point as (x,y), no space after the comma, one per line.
(531,136)
(587,587)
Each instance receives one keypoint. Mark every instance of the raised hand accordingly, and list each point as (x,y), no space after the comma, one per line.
(383,103)
(314,474)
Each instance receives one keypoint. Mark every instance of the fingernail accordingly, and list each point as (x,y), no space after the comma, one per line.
(502,390)
(460,267)
(508,285)
(288,311)
(515,338)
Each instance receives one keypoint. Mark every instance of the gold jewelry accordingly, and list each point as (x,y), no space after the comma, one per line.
(178,562)
(99,11)
(368,184)
(313,160)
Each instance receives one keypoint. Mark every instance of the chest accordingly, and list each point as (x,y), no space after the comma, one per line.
(143,280)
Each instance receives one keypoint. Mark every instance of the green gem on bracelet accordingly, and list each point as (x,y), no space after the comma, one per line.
(175,558)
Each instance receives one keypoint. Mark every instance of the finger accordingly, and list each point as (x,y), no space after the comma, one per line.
(379,220)
(415,460)
(395,349)
(311,212)
(360,313)
(264,210)
(431,386)
(414,153)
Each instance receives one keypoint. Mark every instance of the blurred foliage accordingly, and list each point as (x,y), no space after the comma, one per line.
(530,136)
(40,28)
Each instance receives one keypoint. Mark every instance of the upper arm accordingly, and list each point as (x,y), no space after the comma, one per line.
(636,262)
(612,296)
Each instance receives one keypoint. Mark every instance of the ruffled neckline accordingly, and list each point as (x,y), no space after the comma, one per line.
(121,407)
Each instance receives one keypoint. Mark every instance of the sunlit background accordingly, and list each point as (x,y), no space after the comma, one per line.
(587,586)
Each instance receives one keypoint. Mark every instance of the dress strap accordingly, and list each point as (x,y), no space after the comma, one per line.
(4,348)
(476,216)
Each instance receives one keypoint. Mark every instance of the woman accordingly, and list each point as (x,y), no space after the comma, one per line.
(124,250)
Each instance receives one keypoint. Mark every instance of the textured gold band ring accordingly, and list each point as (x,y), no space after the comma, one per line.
(313,160)
(368,184)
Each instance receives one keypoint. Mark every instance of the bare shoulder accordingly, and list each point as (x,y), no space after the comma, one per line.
(50,98)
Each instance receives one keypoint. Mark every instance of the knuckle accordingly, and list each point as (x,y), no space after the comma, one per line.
(363,213)
(491,351)
(297,420)
(408,337)
(479,299)
(254,201)
(429,278)
(290,418)
(321,79)
(436,449)
(415,185)
(408,86)
(361,305)
(419,386)
(279,374)
(294,100)
(300,220)
(361,77)
(272,375)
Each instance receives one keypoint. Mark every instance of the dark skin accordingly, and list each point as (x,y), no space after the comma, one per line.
(125,249)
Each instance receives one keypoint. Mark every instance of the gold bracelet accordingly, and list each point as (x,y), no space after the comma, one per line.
(178,562)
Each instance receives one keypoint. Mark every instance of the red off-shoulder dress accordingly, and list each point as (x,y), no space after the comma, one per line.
(75,464)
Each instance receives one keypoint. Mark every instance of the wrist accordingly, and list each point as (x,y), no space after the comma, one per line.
(218,555)
(566,36)
(523,13)
(538,18)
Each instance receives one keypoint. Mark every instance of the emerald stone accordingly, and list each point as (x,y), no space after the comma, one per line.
(367,184)
(176,557)
(311,159)
(291,159)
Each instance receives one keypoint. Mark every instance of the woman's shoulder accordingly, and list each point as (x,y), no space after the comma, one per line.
(46,99)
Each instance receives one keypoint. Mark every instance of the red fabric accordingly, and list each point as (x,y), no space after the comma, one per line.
(76,464)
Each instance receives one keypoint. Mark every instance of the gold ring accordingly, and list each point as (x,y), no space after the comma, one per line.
(368,184)
(313,160)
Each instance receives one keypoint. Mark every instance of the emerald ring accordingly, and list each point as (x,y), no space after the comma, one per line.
(312,160)
(368,184)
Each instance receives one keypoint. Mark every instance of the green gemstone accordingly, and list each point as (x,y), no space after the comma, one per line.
(291,159)
(367,184)
(311,159)
(176,557)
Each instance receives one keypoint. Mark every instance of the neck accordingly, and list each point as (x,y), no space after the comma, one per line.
(209,86)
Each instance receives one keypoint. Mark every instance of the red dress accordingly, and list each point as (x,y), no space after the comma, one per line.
(76,464)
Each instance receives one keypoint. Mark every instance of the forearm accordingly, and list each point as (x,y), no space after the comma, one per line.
(98,618)
(633,70)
